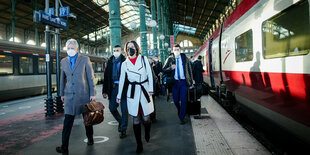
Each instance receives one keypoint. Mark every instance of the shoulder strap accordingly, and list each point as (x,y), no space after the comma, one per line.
(143,61)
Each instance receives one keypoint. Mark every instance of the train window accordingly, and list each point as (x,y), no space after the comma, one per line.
(285,35)
(25,65)
(244,46)
(99,67)
(41,65)
(54,66)
(6,64)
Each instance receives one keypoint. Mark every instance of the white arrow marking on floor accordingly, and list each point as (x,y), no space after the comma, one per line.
(3,113)
(104,139)
(5,106)
(113,123)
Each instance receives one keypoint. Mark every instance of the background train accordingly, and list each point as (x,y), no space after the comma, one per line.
(258,59)
(23,70)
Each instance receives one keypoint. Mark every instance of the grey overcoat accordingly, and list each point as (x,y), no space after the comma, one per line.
(77,85)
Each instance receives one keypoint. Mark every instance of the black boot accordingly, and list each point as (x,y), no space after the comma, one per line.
(147,128)
(90,141)
(62,149)
(137,131)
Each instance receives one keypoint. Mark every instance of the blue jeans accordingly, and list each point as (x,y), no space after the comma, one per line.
(122,120)
(179,92)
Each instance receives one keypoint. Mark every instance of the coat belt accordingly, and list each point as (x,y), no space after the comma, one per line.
(133,87)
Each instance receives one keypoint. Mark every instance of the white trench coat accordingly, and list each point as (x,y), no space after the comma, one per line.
(141,75)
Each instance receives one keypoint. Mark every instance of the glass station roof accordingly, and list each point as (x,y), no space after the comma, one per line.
(184,28)
(129,13)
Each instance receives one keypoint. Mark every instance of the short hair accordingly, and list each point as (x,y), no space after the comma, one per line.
(199,57)
(72,42)
(116,46)
(134,44)
(176,45)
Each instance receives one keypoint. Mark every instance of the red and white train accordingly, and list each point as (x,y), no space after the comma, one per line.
(260,55)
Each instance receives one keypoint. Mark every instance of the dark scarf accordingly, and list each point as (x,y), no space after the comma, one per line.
(116,70)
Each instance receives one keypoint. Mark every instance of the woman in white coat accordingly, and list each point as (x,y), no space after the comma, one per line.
(137,70)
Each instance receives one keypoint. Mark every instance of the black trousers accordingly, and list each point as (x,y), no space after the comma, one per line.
(68,123)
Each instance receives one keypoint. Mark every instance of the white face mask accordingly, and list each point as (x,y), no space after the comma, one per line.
(71,52)
(116,54)
(176,53)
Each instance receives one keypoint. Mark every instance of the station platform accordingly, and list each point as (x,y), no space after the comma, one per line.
(24,129)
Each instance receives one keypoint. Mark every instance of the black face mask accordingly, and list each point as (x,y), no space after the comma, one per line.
(131,51)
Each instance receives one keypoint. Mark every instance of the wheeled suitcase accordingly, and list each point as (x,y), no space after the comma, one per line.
(193,102)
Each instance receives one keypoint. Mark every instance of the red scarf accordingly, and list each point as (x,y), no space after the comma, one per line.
(133,60)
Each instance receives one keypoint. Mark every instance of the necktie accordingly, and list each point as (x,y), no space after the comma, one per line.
(178,71)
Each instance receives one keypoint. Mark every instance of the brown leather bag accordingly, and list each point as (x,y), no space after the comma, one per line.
(93,114)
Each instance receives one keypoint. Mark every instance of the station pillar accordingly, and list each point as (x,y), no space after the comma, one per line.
(154,29)
(143,31)
(115,23)
(59,103)
(162,58)
(49,103)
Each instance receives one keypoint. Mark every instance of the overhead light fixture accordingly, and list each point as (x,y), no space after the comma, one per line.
(152,23)
(188,17)
(161,37)
(133,25)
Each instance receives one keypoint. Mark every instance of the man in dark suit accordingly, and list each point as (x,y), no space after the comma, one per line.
(198,70)
(179,67)
(110,89)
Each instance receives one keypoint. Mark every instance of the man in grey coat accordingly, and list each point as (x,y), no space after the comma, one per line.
(77,88)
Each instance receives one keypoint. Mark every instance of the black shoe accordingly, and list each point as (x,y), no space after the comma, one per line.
(90,141)
(62,149)
(139,149)
(183,121)
(137,131)
(122,135)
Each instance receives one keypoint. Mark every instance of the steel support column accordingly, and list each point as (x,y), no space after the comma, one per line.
(164,28)
(36,32)
(160,30)
(115,23)
(154,29)
(143,28)
(79,35)
(59,104)
(13,19)
(49,101)
(96,43)
(88,52)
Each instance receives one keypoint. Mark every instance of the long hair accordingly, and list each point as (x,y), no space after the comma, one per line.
(134,44)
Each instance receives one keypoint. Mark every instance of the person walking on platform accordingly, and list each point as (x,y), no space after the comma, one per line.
(198,70)
(77,88)
(110,89)
(180,68)
(137,70)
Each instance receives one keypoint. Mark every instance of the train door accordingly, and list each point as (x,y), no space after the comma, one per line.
(210,64)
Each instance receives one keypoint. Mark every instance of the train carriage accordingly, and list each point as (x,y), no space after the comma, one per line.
(23,70)
(260,55)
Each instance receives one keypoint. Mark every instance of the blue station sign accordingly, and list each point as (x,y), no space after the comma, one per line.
(52,20)
(64,11)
